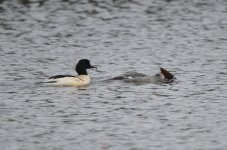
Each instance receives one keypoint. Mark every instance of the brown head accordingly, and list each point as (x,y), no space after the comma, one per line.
(166,74)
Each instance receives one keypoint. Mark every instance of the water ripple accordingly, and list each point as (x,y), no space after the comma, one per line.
(39,39)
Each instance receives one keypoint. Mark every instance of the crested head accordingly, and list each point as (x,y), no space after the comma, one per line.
(82,65)
(166,74)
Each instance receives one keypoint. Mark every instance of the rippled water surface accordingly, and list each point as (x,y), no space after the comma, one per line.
(39,39)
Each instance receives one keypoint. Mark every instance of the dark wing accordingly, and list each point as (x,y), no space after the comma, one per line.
(60,76)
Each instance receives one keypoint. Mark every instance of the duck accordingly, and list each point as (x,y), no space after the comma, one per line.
(81,79)
(163,76)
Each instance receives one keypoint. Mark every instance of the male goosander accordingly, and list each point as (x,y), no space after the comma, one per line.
(163,77)
(69,80)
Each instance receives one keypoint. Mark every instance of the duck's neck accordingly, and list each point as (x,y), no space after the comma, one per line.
(81,72)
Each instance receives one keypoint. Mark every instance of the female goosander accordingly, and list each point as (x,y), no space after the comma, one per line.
(163,77)
(69,80)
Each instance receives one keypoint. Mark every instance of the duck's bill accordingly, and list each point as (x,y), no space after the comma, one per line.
(96,68)
(93,67)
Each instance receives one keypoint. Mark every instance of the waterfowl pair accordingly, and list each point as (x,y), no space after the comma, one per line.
(83,78)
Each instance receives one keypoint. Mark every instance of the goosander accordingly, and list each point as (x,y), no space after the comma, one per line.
(163,77)
(68,80)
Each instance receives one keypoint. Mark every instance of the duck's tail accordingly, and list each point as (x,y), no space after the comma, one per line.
(166,74)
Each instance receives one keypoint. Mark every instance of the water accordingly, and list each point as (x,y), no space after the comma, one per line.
(46,38)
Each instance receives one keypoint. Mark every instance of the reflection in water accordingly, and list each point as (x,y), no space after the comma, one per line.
(42,38)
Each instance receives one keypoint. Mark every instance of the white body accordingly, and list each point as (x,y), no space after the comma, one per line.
(80,80)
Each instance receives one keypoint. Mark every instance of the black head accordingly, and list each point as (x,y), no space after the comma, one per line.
(82,65)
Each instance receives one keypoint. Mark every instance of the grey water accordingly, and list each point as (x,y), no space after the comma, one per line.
(39,39)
